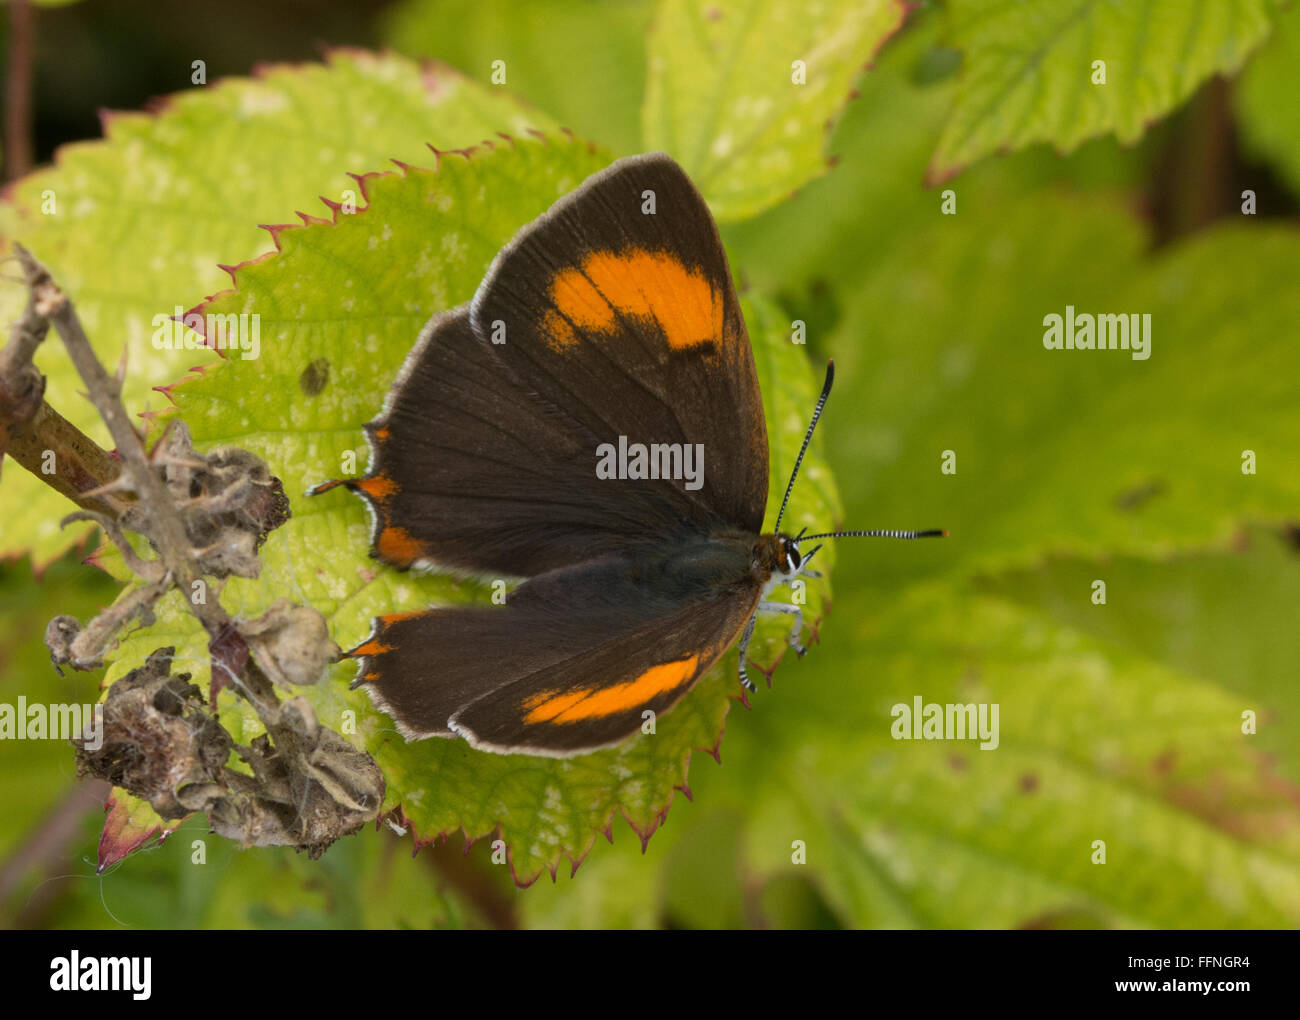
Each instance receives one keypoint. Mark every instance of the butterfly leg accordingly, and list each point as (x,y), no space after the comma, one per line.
(797,630)
(743,647)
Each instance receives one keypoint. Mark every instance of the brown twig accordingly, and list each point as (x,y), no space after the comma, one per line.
(81,465)
(18,91)
(21,385)
(41,439)
(29,333)
(166,530)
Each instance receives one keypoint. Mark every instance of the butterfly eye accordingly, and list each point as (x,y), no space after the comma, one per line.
(792,556)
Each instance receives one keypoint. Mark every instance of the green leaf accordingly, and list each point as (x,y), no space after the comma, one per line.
(847,219)
(1125,729)
(143,219)
(1028,68)
(581,61)
(352,296)
(1119,723)
(814,250)
(1176,616)
(1271,129)
(1095,743)
(35,773)
(703,877)
(722,97)
(196,880)
(943,348)
(618,887)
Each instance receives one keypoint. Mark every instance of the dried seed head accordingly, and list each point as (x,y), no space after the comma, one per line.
(158,738)
(59,635)
(291,643)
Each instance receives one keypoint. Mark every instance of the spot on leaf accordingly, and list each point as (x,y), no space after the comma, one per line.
(315,377)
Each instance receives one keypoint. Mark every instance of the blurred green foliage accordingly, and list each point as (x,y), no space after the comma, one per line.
(1119,722)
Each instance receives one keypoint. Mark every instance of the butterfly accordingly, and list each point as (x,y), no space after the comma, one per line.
(590,422)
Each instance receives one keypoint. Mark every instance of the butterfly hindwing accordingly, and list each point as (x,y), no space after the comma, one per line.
(577,655)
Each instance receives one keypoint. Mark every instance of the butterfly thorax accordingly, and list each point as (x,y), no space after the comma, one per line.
(710,564)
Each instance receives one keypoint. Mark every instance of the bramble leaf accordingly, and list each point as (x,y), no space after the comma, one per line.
(1271,128)
(137,225)
(1129,744)
(1093,744)
(349,298)
(1030,70)
(741,94)
(552,53)
(1060,450)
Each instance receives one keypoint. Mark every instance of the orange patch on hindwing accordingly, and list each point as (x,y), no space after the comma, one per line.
(598,702)
(398,546)
(684,302)
(375,644)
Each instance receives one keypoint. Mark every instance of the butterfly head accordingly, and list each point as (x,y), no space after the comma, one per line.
(781,560)
(790,558)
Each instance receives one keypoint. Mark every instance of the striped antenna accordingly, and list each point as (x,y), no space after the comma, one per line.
(880,533)
(817,413)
